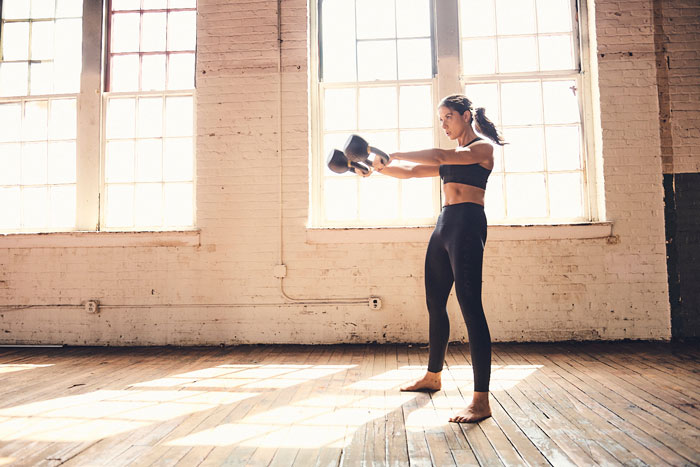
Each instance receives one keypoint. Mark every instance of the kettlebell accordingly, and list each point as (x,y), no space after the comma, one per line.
(339,164)
(357,149)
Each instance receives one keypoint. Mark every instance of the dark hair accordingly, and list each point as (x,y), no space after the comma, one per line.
(460,103)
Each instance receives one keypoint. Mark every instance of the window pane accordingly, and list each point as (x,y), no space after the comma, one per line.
(379,198)
(15,41)
(376,60)
(383,140)
(182,30)
(68,52)
(119,161)
(375,19)
(153,32)
(150,117)
(521,103)
(62,206)
(35,122)
(415,59)
(525,150)
(61,162)
(556,52)
(120,205)
(413,140)
(149,163)
(177,160)
(42,40)
(182,3)
(43,9)
(126,5)
(69,8)
(155,4)
(338,40)
(10,213)
(525,195)
(517,54)
(565,195)
(15,10)
(125,73)
(41,78)
(121,118)
(477,18)
(35,207)
(10,163)
(178,204)
(153,72)
(486,96)
(416,107)
(417,198)
(560,102)
(10,122)
(563,148)
(181,72)
(148,204)
(515,17)
(494,204)
(178,116)
(479,56)
(63,119)
(378,108)
(553,16)
(413,18)
(339,109)
(340,198)
(13,79)
(125,32)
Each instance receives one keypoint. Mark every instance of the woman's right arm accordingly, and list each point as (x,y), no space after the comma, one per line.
(410,171)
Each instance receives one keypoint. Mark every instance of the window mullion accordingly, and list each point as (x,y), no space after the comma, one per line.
(88,146)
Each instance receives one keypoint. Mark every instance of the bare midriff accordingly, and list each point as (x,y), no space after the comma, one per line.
(456,193)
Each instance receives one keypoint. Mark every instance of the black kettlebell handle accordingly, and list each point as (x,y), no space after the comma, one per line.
(382,155)
(361,167)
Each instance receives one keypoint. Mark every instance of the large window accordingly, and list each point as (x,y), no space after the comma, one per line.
(94,142)
(149,127)
(377,68)
(384,65)
(40,65)
(520,61)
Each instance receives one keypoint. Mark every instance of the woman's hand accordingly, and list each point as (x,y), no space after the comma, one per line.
(363,174)
(378,163)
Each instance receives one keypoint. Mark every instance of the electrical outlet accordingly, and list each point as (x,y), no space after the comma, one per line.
(375,303)
(92,306)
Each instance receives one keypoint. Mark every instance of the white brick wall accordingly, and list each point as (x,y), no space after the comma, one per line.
(533,289)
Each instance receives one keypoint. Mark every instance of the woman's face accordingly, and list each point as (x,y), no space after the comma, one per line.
(452,122)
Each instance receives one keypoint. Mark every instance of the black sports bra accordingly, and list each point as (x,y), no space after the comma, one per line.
(467,174)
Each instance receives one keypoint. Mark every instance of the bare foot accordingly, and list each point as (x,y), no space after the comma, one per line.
(430,382)
(478,410)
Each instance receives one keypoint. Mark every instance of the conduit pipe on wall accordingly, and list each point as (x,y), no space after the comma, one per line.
(306,300)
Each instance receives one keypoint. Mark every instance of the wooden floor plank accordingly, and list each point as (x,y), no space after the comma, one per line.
(631,403)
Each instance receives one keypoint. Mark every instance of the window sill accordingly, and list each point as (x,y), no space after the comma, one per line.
(495,233)
(84,239)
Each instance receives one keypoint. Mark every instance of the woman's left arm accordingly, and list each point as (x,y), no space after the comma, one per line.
(436,156)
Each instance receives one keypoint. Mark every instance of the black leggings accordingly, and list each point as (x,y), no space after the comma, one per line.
(455,255)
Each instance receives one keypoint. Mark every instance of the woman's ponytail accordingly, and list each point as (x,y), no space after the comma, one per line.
(486,126)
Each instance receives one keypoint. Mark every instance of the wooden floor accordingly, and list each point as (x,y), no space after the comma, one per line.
(553,404)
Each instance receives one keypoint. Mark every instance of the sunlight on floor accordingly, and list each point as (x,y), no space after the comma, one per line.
(285,414)
(10,368)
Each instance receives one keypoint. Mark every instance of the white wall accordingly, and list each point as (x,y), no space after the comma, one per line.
(222,279)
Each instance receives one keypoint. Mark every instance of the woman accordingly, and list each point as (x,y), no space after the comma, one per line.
(456,249)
